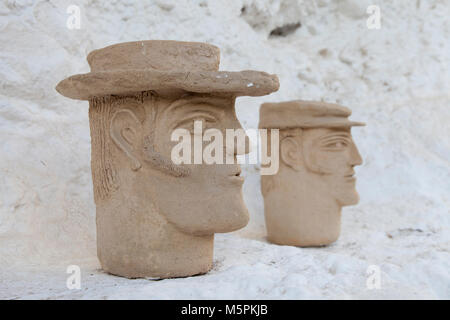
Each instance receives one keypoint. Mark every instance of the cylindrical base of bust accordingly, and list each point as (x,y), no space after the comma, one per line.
(294,226)
(308,238)
(135,247)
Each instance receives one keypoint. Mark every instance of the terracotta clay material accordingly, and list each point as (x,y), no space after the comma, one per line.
(155,218)
(303,201)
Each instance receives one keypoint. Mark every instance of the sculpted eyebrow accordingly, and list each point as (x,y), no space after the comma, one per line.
(333,136)
(200,110)
(214,102)
(195,113)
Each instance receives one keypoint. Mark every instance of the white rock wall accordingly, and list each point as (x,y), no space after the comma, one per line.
(397,79)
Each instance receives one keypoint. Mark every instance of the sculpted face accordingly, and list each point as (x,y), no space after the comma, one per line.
(156,215)
(303,201)
(213,192)
(199,199)
(332,155)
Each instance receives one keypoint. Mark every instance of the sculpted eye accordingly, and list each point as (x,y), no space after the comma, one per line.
(206,120)
(335,144)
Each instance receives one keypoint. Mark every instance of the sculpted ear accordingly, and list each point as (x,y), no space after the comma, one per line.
(125,129)
(291,152)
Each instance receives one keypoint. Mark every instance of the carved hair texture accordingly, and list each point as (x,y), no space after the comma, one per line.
(101,111)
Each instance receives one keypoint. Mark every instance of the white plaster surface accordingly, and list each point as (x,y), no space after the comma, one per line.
(397,79)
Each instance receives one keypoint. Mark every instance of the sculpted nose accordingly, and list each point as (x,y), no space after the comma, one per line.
(355,157)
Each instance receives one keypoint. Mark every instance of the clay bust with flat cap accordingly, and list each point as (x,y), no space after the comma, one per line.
(156,218)
(303,201)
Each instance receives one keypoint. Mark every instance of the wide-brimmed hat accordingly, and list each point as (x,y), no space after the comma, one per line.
(304,114)
(130,67)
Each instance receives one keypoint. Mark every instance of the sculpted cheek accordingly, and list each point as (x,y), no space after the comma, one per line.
(322,162)
(330,163)
(311,158)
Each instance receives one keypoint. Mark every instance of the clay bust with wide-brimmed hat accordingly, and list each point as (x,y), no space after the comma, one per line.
(156,218)
(303,201)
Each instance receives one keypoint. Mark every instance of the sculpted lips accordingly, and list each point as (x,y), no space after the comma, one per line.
(236,175)
(350,176)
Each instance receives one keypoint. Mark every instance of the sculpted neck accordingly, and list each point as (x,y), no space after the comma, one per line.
(299,212)
(135,240)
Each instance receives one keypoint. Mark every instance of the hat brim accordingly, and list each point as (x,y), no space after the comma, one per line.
(122,82)
(309,124)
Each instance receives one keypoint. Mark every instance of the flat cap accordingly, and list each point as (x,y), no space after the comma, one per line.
(304,114)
